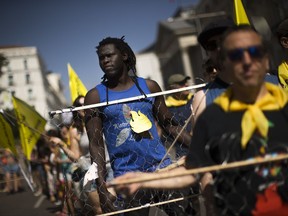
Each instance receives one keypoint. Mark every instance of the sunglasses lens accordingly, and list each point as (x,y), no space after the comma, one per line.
(254,52)
(236,54)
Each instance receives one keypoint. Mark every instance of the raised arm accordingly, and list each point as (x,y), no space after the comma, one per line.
(198,104)
(160,183)
(73,151)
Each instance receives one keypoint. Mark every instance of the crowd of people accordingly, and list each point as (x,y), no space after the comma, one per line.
(99,161)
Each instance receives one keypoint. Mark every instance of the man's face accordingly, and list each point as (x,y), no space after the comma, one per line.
(178,85)
(245,59)
(111,60)
(212,48)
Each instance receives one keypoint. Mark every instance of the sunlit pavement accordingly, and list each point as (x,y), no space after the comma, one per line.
(25,203)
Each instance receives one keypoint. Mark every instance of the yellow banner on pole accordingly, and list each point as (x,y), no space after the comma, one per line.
(6,134)
(31,125)
(240,16)
(76,86)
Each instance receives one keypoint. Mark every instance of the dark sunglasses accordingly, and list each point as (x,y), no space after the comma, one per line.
(255,52)
(212,45)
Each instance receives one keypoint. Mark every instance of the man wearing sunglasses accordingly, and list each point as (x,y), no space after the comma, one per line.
(209,39)
(248,121)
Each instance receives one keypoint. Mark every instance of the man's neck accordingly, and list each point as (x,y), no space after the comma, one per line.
(122,83)
(249,95)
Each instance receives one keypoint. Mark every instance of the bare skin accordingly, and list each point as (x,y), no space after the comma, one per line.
(113,64)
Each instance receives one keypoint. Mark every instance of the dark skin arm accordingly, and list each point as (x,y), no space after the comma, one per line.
(93,123)
(164,116)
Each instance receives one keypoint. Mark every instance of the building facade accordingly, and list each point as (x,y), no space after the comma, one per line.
(176,45)
(25,77)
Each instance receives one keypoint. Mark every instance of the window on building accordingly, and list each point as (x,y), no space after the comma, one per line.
(9,68)
(28,78)
(25,64)
(10,80)
(30,94)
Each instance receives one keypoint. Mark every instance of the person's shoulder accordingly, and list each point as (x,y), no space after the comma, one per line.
(92,96)
(272,78)
(152,85)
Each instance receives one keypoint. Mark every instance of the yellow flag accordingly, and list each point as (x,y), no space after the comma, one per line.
(6,134)
(240,16)
(76,86)
(31,125)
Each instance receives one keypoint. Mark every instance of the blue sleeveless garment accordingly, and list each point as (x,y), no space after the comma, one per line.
(129,151)
(218,86)
(214,89)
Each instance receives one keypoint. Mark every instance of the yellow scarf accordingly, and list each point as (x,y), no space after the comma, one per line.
(253,117)
(283,75)
(171,101)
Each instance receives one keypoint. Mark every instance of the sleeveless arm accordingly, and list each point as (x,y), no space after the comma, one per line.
(164,116)
(93,123)
(198,104)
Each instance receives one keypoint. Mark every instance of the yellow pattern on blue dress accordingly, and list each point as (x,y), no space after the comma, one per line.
(139,122)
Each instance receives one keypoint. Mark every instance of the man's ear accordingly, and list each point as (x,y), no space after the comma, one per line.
(284,42)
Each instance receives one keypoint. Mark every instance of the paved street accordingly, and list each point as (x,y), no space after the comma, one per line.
(25,203)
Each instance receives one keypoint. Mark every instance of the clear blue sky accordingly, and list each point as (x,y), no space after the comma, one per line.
(68,30)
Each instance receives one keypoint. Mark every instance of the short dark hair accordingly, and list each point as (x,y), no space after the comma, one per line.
(123,47)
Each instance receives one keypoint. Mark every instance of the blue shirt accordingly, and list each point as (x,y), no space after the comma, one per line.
(127,150)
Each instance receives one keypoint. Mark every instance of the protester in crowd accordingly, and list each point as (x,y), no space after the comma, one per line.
(38,174)
(179,104)
(61,172)
(282,33)
(11,173)
(210,39)
(78,152)
(210,71)
(253,116)
(129,128)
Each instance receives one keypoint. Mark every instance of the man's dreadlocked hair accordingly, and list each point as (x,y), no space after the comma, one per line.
(121,45)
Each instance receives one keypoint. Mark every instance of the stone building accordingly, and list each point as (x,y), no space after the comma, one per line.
(25,76)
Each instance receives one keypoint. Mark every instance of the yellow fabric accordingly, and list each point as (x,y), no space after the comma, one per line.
(240,16)
(31,125)
(171,101)
(76,86)
(6,134)
(253,117)
(139,122)
(283,75)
